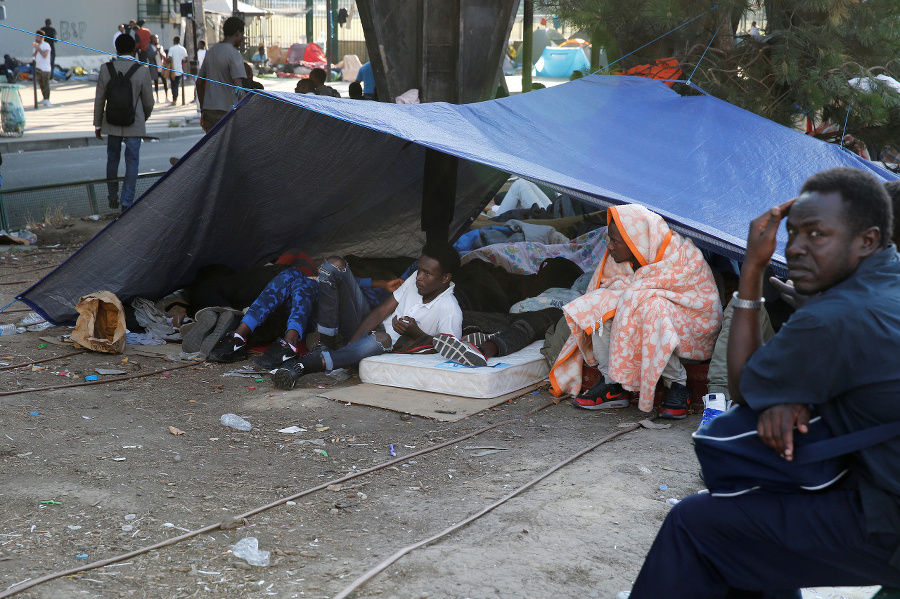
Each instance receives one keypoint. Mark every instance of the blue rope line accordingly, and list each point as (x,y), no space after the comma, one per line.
(846,118)
(696,66)
(715,6)
(3,309)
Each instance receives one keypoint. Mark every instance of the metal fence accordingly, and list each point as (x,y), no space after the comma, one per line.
(41,203)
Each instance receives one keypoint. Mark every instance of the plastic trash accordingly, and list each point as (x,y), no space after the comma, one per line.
(340,375)
(30,319)
(248,550)
(9,329)
(235,421)
(672,501)
(91,377)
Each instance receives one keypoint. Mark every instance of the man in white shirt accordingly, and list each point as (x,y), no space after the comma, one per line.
(118,32)
(754,31)
(422,307)
(42,68)
(178,54)
(223,63)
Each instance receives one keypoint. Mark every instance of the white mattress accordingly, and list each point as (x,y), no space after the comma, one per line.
(433,372)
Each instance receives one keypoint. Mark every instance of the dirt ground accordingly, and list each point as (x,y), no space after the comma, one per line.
(93,472)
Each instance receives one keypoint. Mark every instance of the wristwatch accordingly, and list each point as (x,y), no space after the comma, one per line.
(745,303)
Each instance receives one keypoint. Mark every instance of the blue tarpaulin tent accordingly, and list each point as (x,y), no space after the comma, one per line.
(343,176)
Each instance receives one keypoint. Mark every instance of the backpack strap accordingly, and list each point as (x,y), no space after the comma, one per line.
(132,70)
(844,444)
(112,69)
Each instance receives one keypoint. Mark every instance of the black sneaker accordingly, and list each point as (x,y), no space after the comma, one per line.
(675,404)
(228,349)
(277,354)
(286,376)
(602,396)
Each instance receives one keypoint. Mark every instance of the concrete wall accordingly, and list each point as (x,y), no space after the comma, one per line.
(90,23)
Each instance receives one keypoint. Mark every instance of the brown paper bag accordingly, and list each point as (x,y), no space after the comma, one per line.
(101,323)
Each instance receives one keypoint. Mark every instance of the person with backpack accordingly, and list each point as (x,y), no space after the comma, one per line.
(122,104)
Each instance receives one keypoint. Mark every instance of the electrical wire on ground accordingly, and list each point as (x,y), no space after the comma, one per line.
(13,366)
(98,382)
(374,571)
(237,520)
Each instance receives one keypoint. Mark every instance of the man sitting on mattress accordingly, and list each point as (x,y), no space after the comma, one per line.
(424,305)
(651,301)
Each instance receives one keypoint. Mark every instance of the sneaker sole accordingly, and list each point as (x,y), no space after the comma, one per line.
(206,321)
(669,414)
(606,405)
(224,324)
(283,379)
(456,351)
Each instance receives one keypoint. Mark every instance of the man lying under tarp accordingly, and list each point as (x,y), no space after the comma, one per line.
(654,302)
(423,306)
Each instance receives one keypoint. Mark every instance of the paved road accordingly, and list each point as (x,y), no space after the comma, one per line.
(78,164)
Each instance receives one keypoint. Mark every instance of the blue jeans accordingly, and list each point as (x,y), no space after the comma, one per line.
(342,305)
(292,286)
(353,354)
(132,156)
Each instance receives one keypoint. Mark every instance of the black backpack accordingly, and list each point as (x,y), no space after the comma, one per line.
(120,103)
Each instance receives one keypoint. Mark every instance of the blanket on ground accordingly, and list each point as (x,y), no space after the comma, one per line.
(669,304)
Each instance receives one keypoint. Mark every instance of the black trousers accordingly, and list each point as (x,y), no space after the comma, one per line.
(764,545)
(512,332)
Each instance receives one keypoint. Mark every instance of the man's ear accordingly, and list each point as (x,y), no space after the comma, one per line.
(447,277)
(870,242)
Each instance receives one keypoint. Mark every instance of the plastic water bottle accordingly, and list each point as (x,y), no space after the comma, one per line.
(248,549)
(8,329)
(235,421)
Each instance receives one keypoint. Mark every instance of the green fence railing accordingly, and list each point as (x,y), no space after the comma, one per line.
(24,205)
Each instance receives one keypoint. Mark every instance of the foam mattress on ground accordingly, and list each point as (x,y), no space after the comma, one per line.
(433,372)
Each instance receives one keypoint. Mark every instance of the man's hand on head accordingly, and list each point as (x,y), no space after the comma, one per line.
(762,234)
(776,427)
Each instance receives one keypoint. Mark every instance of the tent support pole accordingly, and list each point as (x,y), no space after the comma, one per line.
(438,194)
(527,44)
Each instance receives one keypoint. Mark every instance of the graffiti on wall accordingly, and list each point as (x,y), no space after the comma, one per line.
(72,30)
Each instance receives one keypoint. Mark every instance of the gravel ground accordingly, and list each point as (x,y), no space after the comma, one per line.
(94,472)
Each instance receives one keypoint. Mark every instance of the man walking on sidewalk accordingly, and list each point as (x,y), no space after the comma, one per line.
(122,104)
(178,54)
(223,63)
(42,67)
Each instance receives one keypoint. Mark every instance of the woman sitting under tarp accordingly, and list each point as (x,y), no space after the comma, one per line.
(653,302)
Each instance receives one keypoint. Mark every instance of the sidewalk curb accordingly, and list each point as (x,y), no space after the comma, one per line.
(81,140)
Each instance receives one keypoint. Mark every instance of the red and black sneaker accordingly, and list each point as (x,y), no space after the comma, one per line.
(675,404)
(602,396)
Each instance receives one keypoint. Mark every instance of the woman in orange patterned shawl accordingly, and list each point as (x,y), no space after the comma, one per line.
(653,302)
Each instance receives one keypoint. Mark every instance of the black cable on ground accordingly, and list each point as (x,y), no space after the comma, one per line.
(237,520)
(374,571)
(73,353)
(97,382)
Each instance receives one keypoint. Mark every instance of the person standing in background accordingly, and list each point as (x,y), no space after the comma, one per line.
(177,55)
(156,56)
(42,67)
(50,38)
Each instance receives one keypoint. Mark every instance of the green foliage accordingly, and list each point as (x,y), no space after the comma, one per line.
(802,67)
